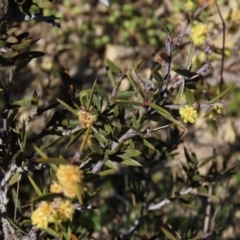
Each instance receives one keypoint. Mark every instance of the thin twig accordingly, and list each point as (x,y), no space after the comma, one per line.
(223,46)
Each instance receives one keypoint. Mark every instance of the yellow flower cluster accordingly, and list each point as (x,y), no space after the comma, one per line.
(236,16)
(199,33)
(189,5)
(188,114)
(43,215)
(54,212)
(216,112)
(70,183)
(86,119)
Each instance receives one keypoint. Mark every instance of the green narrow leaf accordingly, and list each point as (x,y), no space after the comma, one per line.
(129,161)
(169,234)
(112,66)
(211,197)
(138,65)
(222,94)
(11,54)
(134,86)
(110,164)
(31,55)
(25,43)
(12,39)
(45,197)
(40,152)
(96,148)
(205,161)
(56,161)
(131,153)
(21,64)
(45,146)
(102,92)
(75,137)
(52,232)
(16,226)
(107,172)
(109,72)
(128,102)
(22,102)
(180,92)
(11,30)
(189,96)
(67,107)
(36,188)
(166,114)
(183,72)
(125,94)
(148,145)
(157,76)
(91,95)
(85,138)
(15,178)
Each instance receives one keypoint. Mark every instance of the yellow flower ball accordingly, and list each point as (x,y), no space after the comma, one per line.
(65,210)
(86,119)
(43,215)
(55,188)
(188,114)
(199,33)
(69,175)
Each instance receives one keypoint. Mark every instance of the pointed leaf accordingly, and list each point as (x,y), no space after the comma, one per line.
(148,145)
(46,146)
(165,114)
(67,106)
(131,153)
(112,66)
(91,95)
(184,72)
(110,164)
(11,30)
(31,55)
(21,64)
(107,172)
(130,161)
(36,188)
(125,94)
(52,232)
(109,72)
(11,54)
(56,161)
(16,226)
(25,43)
(12,39)
(15,178)
(222,94)
(180,92)
(45,197)
(189,96)
(157,76)
(169,233)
